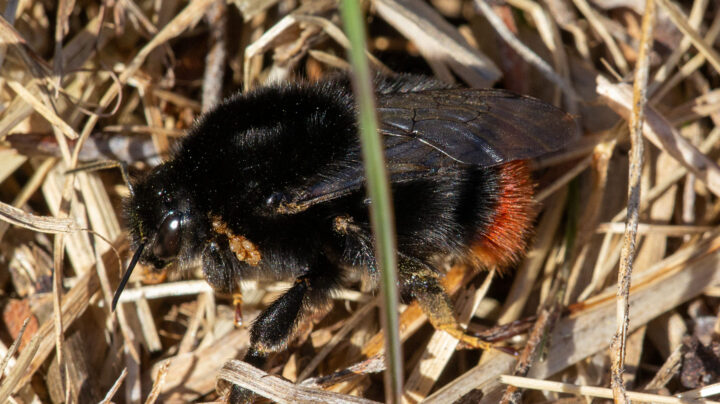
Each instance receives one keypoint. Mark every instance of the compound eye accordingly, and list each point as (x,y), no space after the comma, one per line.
(167,244)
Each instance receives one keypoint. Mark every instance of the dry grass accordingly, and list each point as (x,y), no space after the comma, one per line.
(123,79)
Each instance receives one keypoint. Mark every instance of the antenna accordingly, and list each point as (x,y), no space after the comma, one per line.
(126,277)
(104,165)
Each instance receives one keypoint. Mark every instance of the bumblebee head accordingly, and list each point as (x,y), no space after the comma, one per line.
(159,217)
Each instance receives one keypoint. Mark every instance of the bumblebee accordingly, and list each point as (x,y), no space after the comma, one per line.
(270,184)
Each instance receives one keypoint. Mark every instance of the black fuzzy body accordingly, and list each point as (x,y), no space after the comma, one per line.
(281,166)
(253,148)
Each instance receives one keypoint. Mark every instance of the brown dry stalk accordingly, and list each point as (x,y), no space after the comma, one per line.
(13,348)
(174,28)
(216,56)
(627,253)
(526,53)
(115,387)
(277,388)
(603,32)
(681,21)
(159,382)
(57,289)
(17,373)
(546,320)
(659,131)
(669,369)
(43,224)
(43,110)
(589,391)
(352,322)
(438,41)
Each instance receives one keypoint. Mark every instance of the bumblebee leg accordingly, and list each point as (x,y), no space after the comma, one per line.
(274,327)
(422,284)
(237,302)
(272,330)
(219,273)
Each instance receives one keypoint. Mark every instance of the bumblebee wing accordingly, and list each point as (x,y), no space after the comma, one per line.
(429,133)
(482,127)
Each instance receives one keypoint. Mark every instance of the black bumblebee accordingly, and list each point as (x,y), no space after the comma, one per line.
(270,184)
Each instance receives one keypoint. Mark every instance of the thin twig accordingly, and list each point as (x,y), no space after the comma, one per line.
(668,370)
(43,110)
(170,289)
(13,347)
(681,21)
(159,383)
(115,387)
(627,254)
(215,59)
(17,372)
(602,31)
(647,228)
(598,392)
(547,318)
(352,322)
(659,131)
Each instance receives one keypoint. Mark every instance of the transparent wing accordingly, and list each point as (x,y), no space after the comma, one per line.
(481,127)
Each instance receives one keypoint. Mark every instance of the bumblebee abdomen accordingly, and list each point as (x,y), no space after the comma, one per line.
(484,214)
(508,218)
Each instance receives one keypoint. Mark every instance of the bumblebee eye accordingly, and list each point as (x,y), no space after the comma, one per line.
(167,244)
(275,199)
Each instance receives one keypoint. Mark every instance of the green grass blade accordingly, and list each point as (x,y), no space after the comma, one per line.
(381,212)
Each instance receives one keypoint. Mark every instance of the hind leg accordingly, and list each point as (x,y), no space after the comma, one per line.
(422,284)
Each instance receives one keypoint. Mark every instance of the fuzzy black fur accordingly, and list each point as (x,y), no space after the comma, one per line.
(281,164)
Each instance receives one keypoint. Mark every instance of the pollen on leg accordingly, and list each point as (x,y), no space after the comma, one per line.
(505,238)
(153,276)
(244,249)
